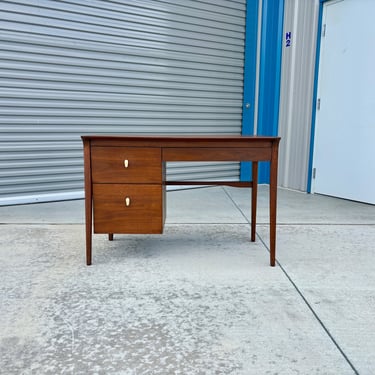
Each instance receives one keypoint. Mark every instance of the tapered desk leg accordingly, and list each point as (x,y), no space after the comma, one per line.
(254,195)
(88,232)
(88,200)
(273,203)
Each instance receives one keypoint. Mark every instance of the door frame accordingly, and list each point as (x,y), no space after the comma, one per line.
(270,55)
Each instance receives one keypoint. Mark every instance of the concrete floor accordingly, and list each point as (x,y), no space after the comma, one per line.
(200,299)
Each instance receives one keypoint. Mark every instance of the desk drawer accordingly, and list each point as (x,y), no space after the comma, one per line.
(123,208)
(126,165)
(216,154)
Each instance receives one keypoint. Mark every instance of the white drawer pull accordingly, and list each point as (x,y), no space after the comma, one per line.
(126,163)
(127,201)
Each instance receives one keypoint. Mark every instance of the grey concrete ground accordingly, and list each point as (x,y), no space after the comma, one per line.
(199,299)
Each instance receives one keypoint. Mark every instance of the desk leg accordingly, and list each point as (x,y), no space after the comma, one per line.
(110,236)
(88,231)
(273,203)
(254,195)
(88,200)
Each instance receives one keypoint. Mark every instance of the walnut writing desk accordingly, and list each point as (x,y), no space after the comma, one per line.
(125,178)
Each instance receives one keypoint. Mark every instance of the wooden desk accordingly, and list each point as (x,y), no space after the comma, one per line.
(125,178)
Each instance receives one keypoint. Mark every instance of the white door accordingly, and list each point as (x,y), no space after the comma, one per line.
(344,151)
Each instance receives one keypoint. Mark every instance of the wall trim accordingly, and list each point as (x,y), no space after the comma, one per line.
(41,198)
(315,94)
(270,74)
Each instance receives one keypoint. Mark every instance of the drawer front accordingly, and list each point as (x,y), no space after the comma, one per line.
(126,165)
(123,208)
(216,154)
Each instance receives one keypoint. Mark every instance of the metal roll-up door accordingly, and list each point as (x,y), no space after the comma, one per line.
(77,67)
(296,92)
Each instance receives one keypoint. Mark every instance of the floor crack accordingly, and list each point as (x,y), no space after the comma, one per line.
(316,316)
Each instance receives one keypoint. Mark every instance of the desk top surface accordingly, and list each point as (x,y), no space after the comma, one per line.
(182,139)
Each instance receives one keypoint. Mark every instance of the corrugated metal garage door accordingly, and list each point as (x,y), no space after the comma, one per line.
(77,67)
(296,93)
